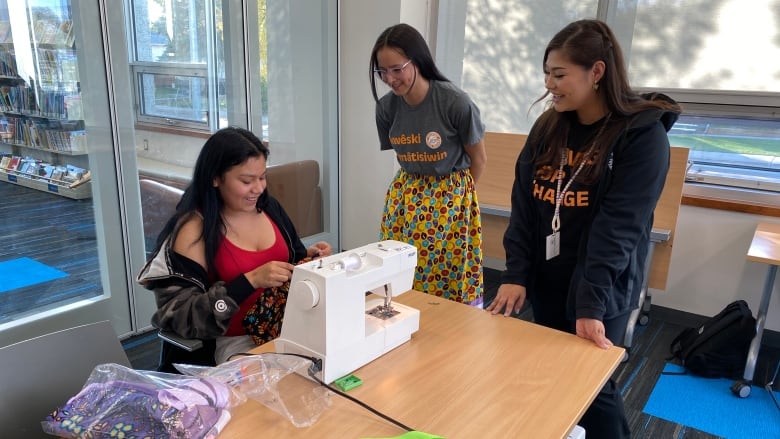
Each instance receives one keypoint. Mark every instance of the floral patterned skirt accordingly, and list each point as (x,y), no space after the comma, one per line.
(440,216)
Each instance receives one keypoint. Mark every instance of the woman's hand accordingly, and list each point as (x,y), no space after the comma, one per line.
(319,250)
(593,329)
(510,298)
(271,274)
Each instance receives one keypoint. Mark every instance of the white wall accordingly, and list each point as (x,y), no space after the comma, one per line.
(365,170)
(708,266)
(172,149)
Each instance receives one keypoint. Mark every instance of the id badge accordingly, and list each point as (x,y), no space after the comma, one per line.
(553,245)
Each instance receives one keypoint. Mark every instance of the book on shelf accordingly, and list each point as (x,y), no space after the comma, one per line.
(51,32)
(56,174)
(77,140)
(25,165)
(69,68)
(45,170)
(33,135)
(64,175)
(6,101)
(32,168)
(67,141)
(73,109)
(65,36)
(54,32)
(14,163)
(72,174)
(6,130)
(8,64)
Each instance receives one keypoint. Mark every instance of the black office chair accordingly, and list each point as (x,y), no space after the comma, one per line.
(42,373)
(158,202)
(176,349)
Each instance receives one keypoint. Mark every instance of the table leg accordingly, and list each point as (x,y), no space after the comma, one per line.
(755,345)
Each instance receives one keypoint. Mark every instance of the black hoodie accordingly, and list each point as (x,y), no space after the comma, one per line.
(605,228)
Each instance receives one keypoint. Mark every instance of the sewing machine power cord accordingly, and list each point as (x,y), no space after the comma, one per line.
(316,366)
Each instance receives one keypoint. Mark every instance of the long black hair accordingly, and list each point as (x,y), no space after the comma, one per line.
(406,40)
(222,151)
(585,42)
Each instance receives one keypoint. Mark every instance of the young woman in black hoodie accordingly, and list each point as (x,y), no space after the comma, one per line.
(586,184)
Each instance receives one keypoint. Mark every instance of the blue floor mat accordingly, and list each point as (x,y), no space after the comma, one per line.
(23,272)
(708,404)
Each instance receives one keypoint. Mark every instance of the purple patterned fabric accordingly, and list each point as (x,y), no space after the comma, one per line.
(195,408)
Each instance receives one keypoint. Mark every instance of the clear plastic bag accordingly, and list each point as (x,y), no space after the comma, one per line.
(117,401)
(280,382)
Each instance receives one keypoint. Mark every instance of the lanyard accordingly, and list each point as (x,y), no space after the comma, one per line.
(556,220)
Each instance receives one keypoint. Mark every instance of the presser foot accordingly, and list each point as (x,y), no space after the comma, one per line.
(383,312)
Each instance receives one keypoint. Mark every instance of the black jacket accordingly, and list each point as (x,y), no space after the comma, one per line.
(607,272)
(188,304)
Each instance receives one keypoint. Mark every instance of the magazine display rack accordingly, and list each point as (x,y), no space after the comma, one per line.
(41,118)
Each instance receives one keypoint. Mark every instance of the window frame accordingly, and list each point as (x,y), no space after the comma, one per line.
(727,104)
(207,71)
(142,117)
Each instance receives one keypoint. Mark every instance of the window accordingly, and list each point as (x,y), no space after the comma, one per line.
(177,70)
(502,50)
(721,61)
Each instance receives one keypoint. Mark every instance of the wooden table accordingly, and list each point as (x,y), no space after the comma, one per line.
(764,248)
(465,374)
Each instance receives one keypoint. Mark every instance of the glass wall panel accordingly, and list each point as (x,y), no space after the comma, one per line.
(171,31)
(58,182)
(260,70)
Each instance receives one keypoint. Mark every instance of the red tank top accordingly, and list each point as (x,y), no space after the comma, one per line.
(232,261)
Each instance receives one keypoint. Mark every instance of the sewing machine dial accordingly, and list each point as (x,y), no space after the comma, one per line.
(304,295)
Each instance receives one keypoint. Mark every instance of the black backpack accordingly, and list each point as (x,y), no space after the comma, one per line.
(717,348)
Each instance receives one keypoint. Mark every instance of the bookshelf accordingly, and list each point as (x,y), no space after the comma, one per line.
(43,142)
(75,190)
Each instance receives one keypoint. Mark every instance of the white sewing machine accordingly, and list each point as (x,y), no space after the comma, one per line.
(328,316)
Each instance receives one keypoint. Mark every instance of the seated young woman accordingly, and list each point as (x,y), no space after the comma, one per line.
(223,261)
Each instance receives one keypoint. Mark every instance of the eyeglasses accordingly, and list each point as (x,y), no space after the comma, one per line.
(395,71)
